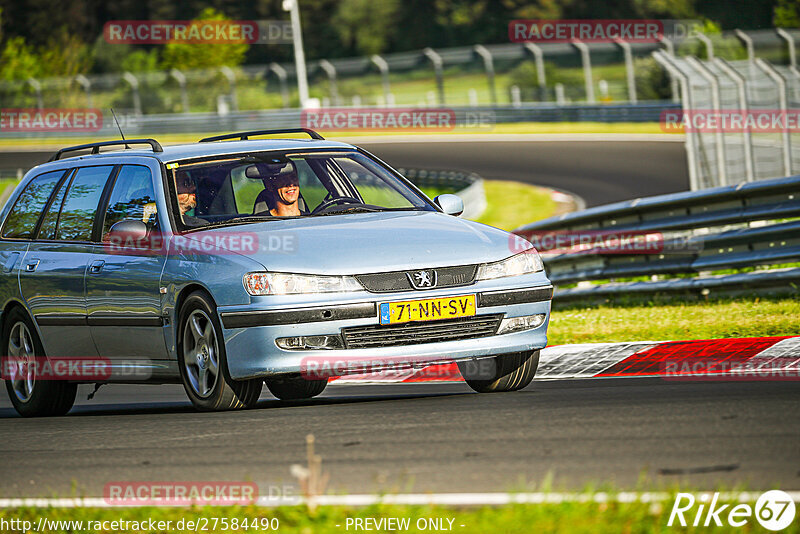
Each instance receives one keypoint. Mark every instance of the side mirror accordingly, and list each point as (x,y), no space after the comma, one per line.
(128,231)
(450,204)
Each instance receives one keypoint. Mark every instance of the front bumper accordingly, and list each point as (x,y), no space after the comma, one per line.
(250,331)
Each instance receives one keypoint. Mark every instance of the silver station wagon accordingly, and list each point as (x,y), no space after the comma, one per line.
(234,262)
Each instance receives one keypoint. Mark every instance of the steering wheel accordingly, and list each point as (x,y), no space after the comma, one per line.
(333,202)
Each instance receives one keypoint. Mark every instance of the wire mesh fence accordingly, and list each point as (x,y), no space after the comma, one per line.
(740,118)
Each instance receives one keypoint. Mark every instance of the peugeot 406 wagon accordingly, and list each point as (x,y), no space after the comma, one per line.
(234,262)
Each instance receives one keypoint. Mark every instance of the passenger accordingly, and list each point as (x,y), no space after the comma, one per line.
(187,199)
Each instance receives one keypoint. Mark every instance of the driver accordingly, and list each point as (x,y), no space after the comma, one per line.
(285,187)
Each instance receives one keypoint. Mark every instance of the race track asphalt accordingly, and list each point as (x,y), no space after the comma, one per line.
(422,437)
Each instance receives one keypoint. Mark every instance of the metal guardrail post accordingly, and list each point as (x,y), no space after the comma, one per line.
(626,49)
(666,61)
(437,62)
(673,81)
(707,42)
(280,72)
(180,77)
(538,55)
(587,69)
(488,65)
(84,82)
(231,77)
(719,136)
(383,66)
(330,71)
(37,88)
(134,83)
(770,71)
(748,43)
(741,88)
(790,43)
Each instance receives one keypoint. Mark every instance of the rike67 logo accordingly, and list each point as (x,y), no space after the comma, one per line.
(774,510)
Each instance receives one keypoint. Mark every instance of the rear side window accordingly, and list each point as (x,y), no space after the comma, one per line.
(21,220)
(133,198)
(77,214)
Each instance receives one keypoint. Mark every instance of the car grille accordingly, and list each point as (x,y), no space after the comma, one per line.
(461,275)
(362,337)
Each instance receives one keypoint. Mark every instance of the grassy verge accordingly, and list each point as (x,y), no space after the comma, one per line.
(591,517)
(542,128)
(512,204)
(675,320)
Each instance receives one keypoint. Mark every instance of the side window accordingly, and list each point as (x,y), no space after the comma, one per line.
(80,206)
(133,198)
(50,222)
(22,218)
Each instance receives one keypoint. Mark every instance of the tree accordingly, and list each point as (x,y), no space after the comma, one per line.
(182,55)
(366,26)
(787,14)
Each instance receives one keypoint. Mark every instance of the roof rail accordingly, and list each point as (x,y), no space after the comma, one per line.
(244,136)
(96,146)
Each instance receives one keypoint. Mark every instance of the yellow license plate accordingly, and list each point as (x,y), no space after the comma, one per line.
(427,309)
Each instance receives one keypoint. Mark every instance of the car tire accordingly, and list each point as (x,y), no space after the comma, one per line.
(296,388)
(509,372)
(203,363)
(31,397)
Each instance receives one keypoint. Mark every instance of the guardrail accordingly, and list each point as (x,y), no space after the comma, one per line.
(685,236)
(468,186)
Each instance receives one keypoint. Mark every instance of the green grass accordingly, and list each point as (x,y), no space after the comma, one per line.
(540,128)
(586,517)
(674,320)
(512,204)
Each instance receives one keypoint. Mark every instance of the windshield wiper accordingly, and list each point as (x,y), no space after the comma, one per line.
(242,219)
(351,209)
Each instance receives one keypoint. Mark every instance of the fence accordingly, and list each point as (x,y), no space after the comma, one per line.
(697,234)
(502,74)
(716,88)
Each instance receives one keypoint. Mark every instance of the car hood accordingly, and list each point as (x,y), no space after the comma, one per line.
(367,242)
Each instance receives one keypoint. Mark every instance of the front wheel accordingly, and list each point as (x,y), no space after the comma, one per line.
(203,363)
(507,372)
(24,354)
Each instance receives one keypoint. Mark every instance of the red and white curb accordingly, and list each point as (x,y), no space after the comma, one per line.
(624,360)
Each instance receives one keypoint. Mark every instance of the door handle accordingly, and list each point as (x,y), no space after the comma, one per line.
(31,266)
(96,266)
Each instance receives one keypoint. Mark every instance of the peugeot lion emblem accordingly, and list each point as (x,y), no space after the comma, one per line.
(424,279)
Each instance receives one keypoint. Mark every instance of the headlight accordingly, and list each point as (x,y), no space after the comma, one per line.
(290,284)
(524,263)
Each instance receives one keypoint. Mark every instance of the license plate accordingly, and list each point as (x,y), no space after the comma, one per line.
(427,309)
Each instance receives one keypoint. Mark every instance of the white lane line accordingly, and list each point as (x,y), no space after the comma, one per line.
(423,499)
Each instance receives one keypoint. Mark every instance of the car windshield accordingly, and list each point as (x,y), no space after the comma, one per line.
(258,186)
